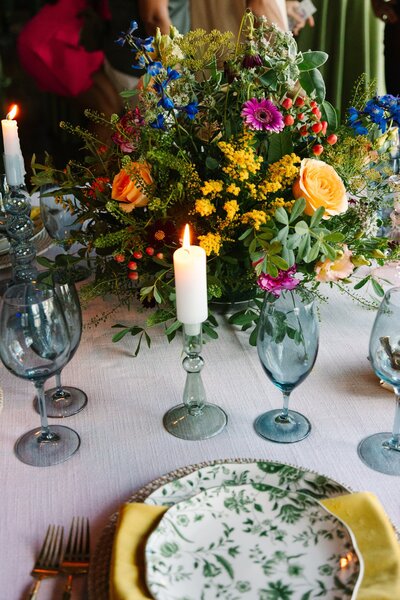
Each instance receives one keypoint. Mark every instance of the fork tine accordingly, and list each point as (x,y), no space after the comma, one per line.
(86,552)
(77,554)
(49,558)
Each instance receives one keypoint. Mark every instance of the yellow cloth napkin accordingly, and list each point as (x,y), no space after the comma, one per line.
(135,523)
(362,512)
(376,540)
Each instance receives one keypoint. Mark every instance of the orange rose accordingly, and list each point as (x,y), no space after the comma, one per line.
(337,269)
(320,185)
(127,186)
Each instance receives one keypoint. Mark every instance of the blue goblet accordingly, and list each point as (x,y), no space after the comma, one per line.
(287,346)
(381,451)
(35,344)
(64,401)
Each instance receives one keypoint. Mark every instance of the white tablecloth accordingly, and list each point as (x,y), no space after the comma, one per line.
(124,445)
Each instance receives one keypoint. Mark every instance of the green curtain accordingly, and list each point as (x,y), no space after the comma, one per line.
(353,37)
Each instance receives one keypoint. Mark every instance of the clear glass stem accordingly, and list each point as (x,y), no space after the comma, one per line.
(394,442)
(45,434)
(284,415)
(194,396)
(60,393)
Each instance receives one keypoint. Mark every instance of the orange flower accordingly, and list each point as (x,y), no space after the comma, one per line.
(320,185)
(128,185)
(337,269)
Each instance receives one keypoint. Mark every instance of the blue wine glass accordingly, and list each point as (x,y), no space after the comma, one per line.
(35,344)
(64,401)
(287,346)
(60,220)
(381,451)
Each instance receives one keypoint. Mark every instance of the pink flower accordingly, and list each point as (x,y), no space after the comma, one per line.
(128,131)
(334,270)
(284,281)
(262,115)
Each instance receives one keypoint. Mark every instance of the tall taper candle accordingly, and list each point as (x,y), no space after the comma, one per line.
(190,285)
(13,159)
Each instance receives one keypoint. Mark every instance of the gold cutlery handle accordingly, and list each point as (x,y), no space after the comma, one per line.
(34,590)
(67,589)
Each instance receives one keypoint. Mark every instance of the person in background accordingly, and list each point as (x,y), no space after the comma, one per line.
(226,15)
(389,12)
(149,14)
(50,51)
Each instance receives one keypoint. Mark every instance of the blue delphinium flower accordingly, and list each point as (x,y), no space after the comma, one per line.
(154,68)
(354,120)
(166,102)
(191,109)
(376,113)
(159,123)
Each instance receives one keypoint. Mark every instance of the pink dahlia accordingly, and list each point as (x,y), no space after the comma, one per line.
(284,281)
(262,115)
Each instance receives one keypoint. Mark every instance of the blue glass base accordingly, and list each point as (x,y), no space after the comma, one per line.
(271,426)
(65,405)
(377,454)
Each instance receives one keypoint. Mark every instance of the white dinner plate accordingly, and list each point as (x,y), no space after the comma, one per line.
(277,474)
(251,541)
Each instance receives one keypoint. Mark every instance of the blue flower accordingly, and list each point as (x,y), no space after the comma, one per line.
(166,103)
(354,120)
(154,68)
(191,109)
(125,34)
(159,123)
(172,74)
(376,114)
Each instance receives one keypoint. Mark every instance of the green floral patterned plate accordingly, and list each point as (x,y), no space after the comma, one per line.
(287,477)
(245,542)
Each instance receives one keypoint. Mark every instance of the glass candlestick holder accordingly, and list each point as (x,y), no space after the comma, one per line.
(195,419)
(19,229)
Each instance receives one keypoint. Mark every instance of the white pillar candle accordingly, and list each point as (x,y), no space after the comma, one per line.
(190,284)
(13,159)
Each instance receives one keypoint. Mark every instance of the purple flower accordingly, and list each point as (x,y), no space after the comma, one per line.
(262,115)
(284,281)
(252,60)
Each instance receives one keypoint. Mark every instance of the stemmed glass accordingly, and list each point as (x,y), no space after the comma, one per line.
(64,401)
(287,346)
(381,451)
(59,221)
(35,345)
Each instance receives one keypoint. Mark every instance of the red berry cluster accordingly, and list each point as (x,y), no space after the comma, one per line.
(136,255)
(305,115)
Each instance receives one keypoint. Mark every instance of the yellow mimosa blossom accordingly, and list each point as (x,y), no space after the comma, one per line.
(256,218)
(204,207)
(242,160)
(231,207)
(212,187)
(211,243)
(233,189)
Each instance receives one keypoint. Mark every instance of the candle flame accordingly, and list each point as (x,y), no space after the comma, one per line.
(186,238)
(13,112)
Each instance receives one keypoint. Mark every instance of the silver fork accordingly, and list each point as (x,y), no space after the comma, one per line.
(77,553)
(48,562)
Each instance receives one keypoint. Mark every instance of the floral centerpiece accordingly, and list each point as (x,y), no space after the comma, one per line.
(236,139)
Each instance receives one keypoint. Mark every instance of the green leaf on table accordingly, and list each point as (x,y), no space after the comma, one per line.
(363,282)
(172,328)
(377,287)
